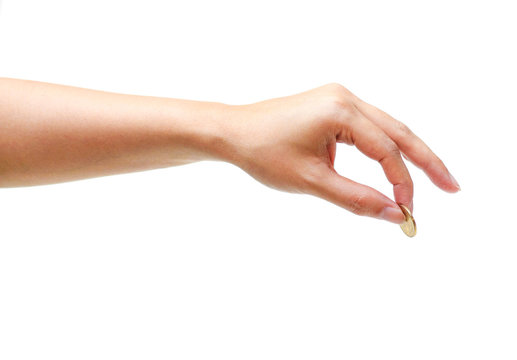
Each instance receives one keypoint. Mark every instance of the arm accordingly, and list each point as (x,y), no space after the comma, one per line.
(51,133)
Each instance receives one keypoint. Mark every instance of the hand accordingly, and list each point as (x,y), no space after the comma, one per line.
(290,144)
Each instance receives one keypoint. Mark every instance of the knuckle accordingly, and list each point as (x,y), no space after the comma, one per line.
(392,148)
(339,100)
(402,128)
(428,160)
(357,204)
(427,163)
(335,87)
(407,183)
(342,107)
(345,107)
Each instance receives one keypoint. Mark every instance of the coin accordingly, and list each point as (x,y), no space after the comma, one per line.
(409,225)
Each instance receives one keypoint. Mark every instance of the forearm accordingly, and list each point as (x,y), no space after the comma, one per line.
(52,133)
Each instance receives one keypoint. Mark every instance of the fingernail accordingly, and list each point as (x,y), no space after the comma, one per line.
(454,181)
(392,214)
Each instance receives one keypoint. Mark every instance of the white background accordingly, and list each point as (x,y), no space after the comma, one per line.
(201,261)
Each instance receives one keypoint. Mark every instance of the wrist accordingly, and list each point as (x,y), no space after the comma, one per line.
(212,131)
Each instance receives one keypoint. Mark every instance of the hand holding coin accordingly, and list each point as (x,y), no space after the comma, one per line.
(290,144)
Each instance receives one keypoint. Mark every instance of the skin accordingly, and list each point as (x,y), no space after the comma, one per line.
(52,133)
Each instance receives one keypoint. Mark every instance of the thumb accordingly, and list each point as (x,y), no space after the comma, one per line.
(357,198)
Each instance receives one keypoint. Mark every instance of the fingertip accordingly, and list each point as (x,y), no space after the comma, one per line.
(392,214)
(444,180)
(454,182)
(448,185)
(451,190)
(403,194)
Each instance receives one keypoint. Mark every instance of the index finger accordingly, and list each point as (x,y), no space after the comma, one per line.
(374,143)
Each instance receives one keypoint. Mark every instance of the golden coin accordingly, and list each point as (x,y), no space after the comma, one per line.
(409,225)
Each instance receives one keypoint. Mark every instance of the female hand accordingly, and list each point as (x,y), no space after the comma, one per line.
(289,144)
